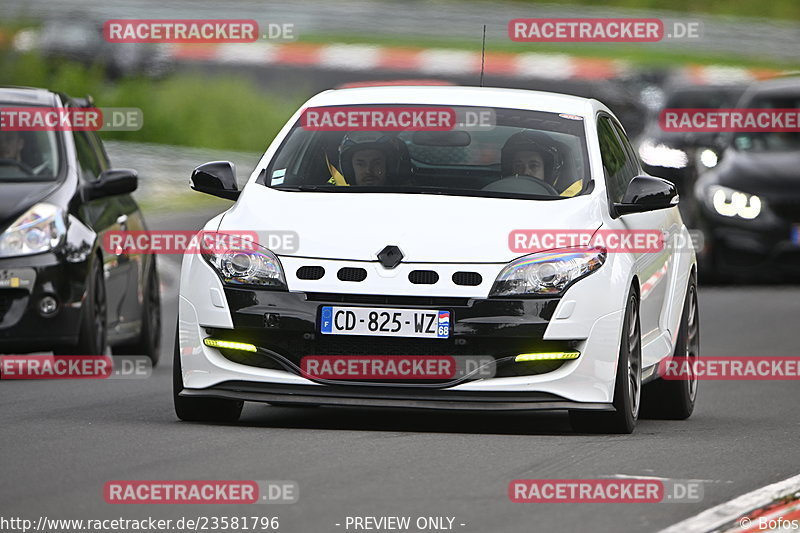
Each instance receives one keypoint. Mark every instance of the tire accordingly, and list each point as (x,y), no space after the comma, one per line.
(627,384)
(200,409)
(675,399)
(149,341)
(93,329)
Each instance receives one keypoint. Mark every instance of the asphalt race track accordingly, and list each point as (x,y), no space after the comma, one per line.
(61,441)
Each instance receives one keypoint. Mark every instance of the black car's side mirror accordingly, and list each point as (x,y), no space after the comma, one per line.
(113,182)
(217,178)
(647,193)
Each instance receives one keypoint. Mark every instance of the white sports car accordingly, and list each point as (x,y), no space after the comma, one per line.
(511,233)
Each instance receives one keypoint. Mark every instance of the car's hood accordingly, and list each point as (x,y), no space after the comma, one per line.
(771,173)
(16,197)
(426,228)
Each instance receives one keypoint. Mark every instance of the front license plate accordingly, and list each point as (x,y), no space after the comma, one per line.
(383,322)
(796,234)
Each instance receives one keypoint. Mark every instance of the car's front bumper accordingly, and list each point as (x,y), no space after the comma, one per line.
(24,281)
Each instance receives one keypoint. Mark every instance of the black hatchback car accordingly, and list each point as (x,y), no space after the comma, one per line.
(60,290)
(748,206)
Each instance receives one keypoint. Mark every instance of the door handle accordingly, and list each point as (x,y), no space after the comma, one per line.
(122,220)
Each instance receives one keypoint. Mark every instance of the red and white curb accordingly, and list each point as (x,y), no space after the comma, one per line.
(439,61)
(744,513)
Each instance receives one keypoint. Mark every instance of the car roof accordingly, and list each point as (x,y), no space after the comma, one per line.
(461,96)
(28,96)
(789,86)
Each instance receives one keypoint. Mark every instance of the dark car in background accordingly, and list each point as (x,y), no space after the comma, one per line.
(748,206)
(80,38)
(678,156)
(60,290)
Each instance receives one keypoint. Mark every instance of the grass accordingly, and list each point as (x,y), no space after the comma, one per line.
(184,109)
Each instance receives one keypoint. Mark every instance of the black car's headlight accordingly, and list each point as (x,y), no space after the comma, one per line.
(41,228)
(246,265)
(546,273)
(732,203)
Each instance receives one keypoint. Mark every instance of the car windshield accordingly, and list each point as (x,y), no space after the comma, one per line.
(770,141)
(28,155)
(703,97)
(517,153)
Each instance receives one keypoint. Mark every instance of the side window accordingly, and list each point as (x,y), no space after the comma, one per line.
(634,167)
(99,150)
(615,161)
(87,160)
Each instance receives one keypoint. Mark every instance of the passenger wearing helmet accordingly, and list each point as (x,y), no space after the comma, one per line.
(366,159)
(535,154)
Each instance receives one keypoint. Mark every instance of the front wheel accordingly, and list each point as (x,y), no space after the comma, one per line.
(199,409)
(93,330)
(675,399)
(149,340)
(627,385)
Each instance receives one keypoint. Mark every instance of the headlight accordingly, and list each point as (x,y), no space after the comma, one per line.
(708,158)
(731,203)
(246,266)
(661,155)
(40,229)
(547,272)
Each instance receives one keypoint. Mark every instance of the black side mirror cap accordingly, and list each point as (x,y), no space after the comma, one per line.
(647,193)
(217,178)
(113,182)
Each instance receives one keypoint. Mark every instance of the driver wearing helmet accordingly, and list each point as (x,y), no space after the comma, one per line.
(11,145)
(366,158)
(535,154)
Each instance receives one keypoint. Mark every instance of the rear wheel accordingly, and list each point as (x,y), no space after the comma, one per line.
(675,399)
(149,341)
(627,385)
(199,409)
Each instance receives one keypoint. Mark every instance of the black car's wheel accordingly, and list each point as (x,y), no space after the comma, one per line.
(675,399)
(628,383)
(93,329)
(149,341)
(199,409)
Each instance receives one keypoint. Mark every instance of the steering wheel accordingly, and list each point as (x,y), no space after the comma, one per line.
(19,164)
(522,184)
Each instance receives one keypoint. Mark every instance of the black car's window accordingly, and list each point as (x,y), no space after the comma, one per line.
(28,155)
(770,141)
(524,154)
(617,165)
(87,159)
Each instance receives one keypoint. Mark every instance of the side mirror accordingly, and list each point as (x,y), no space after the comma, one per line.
(113,182)
(647,193)
(217,178)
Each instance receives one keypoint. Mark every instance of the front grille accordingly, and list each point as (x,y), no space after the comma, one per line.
(430,301)
(467,278)
(310,272)
(7,297)
(423,277)
(351,274)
